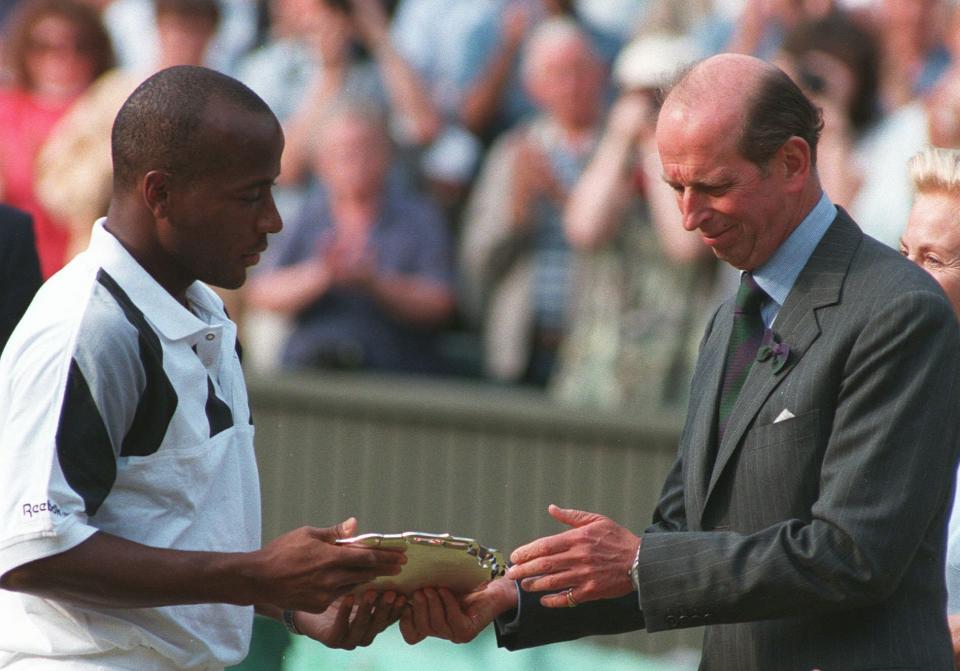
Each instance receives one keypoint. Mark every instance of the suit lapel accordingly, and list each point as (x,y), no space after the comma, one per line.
(819,284)
(703,418)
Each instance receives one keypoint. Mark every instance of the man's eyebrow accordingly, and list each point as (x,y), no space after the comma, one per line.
(705,183)
(267,181)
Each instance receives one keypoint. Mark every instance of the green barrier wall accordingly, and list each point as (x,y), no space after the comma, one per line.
(449,456)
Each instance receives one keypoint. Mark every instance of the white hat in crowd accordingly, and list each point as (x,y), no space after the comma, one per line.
(649,61)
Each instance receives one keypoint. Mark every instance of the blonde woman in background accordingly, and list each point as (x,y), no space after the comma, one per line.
(932,241)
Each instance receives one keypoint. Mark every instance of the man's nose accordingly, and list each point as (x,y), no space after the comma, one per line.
(270,221)
(693,209)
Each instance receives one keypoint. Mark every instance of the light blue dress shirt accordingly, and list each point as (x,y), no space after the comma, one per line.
(778,275)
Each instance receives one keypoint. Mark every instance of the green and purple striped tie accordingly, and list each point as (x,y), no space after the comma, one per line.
(745,340)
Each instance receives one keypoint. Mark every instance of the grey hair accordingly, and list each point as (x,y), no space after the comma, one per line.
(548,32)
(935,169)
(355,108)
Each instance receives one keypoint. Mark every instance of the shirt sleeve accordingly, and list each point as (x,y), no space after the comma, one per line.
(69,395)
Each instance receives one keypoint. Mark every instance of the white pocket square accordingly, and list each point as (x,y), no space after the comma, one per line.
(784,415)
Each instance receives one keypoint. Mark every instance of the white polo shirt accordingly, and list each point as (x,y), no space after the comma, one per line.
(122,411)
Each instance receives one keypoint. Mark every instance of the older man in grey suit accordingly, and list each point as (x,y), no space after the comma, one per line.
(804,519)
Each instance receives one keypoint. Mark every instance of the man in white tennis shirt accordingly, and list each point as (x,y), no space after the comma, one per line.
(129,497)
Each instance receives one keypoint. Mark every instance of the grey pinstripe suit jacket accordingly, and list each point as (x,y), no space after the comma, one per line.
(818,541)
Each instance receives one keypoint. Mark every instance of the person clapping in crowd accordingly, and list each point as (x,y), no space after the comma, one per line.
(516,259)
(643,286)
(365,270)
(355,58)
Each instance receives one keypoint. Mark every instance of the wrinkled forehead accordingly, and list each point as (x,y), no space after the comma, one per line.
(696,127)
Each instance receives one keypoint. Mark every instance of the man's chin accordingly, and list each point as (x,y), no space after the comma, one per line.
(726,258)
(228,283)
(738,261)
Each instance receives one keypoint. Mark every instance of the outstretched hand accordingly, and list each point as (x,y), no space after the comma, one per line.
(591,560)
(305,570)
(351,622)
(438,612)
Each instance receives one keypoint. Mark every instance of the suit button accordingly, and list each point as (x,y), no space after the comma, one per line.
(671,621)
(684,621)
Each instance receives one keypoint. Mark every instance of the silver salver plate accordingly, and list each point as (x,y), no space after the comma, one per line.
(433,560)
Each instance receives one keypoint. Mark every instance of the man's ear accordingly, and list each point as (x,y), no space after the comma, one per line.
(794,160)
(157,192)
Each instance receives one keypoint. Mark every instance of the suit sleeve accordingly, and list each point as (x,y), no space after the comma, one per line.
(536,625)
(891,426)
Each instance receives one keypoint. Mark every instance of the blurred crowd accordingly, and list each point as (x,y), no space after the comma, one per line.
(469,187)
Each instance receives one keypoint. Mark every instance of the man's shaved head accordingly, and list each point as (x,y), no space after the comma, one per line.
(165,123)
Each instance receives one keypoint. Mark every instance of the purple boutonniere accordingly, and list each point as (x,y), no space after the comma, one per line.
(772,348)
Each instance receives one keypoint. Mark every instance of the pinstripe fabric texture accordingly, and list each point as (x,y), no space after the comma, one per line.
(816,541)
